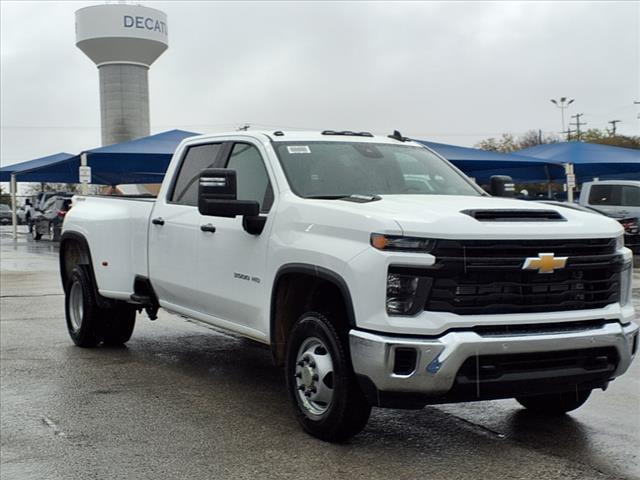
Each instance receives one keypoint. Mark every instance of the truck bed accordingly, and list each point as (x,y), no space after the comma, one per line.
(116,228)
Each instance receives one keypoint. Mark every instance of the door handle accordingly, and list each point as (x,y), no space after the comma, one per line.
(208,228)
(158,221)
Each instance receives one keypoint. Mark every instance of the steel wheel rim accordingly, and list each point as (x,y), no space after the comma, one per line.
(75,306)
(314,377)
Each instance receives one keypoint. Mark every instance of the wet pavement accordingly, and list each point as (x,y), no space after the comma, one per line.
(183,401)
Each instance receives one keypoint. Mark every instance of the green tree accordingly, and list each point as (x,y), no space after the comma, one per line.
(604,137)
(508,142)
(53,187)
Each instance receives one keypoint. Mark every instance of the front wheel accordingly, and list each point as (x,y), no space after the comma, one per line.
(327,399)
(555,404)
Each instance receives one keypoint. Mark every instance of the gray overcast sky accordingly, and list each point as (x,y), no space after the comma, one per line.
(449,72)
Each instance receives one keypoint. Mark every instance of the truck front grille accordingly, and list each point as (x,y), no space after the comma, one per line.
(482,277)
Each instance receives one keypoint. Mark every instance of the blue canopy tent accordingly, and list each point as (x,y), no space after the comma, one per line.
(144,160)
(591,160)
(53,168)
(58,171)
(483,164)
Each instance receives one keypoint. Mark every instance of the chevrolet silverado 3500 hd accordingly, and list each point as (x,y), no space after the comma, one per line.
(376,271)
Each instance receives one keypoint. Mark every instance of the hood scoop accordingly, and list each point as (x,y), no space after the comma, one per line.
(515,215)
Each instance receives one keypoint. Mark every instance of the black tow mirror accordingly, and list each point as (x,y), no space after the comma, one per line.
(502,186)
(217,195)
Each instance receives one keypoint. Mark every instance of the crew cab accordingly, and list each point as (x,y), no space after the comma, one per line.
(377,272)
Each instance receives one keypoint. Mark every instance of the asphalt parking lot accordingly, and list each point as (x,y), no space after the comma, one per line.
(183,401)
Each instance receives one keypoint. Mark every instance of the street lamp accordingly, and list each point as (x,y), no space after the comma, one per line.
(562,104)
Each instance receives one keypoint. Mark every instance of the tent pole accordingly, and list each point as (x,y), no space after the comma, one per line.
(14,216)
(546,170)
(83,162)
(571,180)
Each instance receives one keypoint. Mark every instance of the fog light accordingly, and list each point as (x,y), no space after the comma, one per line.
(401,293)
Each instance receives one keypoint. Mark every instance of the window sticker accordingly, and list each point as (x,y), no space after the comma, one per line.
(293,149)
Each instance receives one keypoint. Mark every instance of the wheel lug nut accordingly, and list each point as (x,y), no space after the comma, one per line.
(315,377)
(298,375)
(312,364)
(300,363)
(302,388)
(307,394)
(313,389)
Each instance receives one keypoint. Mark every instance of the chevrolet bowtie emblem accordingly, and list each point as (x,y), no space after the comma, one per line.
(544,263)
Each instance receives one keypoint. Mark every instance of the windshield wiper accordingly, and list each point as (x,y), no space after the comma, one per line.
(354,197)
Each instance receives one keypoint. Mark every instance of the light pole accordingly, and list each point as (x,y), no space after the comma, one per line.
(562,104)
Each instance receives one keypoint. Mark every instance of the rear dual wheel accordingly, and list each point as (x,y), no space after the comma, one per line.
(87,323)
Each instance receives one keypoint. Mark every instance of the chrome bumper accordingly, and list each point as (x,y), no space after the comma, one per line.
(439,359)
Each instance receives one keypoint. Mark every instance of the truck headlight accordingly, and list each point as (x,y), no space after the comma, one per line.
(402,244)
(406,292)
(620,241)
(625,284)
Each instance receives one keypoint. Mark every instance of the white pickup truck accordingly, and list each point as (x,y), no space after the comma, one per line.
(376,271)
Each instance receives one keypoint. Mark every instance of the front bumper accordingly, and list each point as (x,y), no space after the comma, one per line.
(439,360)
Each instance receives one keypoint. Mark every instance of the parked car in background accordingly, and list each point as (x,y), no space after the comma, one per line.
(631,225)
(5,214)
(41,198)
(615,198)
(49,220)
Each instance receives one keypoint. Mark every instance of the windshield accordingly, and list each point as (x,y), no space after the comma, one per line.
(339,169)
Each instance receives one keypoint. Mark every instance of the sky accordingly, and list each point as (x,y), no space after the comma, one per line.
(453,72)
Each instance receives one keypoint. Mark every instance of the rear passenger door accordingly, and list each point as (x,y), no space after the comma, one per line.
(174,232)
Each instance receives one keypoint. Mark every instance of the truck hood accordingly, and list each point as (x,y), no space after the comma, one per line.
(442,216)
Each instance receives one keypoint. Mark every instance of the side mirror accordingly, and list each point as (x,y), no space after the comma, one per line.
(502,186)
(217,195)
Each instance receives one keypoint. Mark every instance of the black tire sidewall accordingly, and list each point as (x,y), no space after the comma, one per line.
(117,325)
(327,425)
(88,335)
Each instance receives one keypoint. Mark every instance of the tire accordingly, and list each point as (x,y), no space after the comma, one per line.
(57,233)
(35,234)
(84,317)
(326,397)
(555,404)
(118,324)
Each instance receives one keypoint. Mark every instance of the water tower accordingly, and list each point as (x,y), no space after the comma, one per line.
(123,41)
